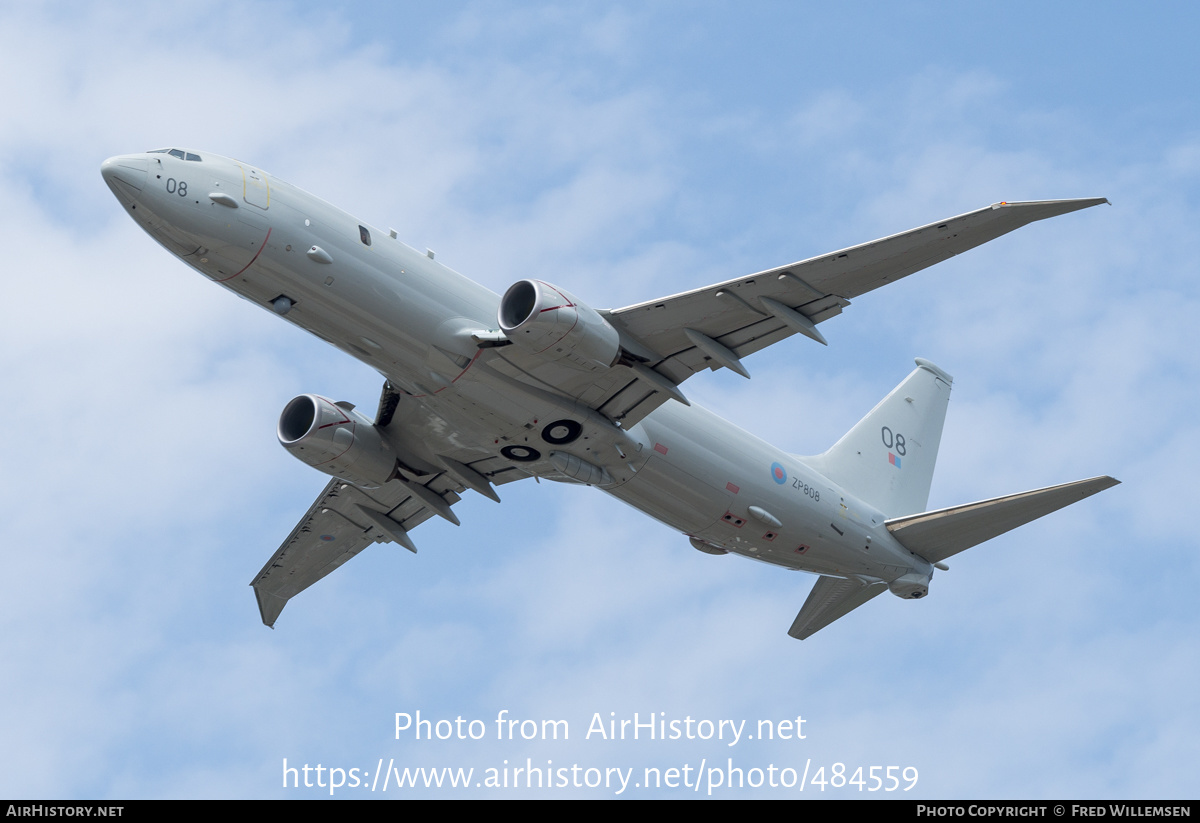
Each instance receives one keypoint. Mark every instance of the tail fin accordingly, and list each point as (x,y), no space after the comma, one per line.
(887,459)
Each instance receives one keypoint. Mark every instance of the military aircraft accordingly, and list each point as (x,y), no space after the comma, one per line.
(481,390)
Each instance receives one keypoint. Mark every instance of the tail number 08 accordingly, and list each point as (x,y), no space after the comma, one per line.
(893,441)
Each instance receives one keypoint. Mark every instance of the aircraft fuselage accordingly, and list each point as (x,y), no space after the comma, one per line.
(417,322)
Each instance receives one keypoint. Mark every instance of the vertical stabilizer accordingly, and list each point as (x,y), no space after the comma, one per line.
(887,459)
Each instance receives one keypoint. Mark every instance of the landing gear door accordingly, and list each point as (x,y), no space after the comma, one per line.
(255,189)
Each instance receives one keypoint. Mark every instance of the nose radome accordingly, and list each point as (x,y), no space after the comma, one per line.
(125,171)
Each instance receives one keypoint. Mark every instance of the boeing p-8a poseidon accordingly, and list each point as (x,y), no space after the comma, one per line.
(482,390)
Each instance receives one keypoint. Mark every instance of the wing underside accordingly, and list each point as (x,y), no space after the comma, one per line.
(345,519)
(831,598)
(336,528)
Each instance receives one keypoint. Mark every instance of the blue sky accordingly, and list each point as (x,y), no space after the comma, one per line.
(622,151)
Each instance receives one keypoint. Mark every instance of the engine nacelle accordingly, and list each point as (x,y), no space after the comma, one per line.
(911,586)
(340,442)
(553,324)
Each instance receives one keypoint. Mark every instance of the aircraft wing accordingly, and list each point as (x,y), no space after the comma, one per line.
(342,522)
(831,598)
(345,519)
(718,325)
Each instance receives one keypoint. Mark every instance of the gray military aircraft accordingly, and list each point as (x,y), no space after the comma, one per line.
(482,390)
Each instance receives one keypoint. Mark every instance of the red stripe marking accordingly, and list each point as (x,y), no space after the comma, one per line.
(252,259)
(345,417)
(460,374)
(344,421)
(660,448)
(566,304)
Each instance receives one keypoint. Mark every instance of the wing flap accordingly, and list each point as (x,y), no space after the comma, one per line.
(944,533)
(831,598)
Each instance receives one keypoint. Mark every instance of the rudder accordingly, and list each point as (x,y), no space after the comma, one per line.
(887,459)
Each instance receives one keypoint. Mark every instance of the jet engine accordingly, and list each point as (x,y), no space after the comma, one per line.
(336,440)
(911,586)
(553,324)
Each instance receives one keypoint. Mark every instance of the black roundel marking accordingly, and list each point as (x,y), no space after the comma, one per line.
(522,454)
(561,431)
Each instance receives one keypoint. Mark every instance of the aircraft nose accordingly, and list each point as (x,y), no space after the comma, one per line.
(125,173)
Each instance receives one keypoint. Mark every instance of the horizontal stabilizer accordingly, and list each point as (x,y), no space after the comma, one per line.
(831,598)
(943,533)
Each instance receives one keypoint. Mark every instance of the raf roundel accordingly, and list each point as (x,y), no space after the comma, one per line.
(778,473)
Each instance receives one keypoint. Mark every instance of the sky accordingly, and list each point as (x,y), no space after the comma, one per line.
(623,151)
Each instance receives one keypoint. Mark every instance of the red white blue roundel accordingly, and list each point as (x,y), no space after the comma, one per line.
(778,473)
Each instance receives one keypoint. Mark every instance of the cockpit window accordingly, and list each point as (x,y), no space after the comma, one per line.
(182,155)
(364,235)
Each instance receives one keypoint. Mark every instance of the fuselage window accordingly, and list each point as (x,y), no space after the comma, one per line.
(365,235)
